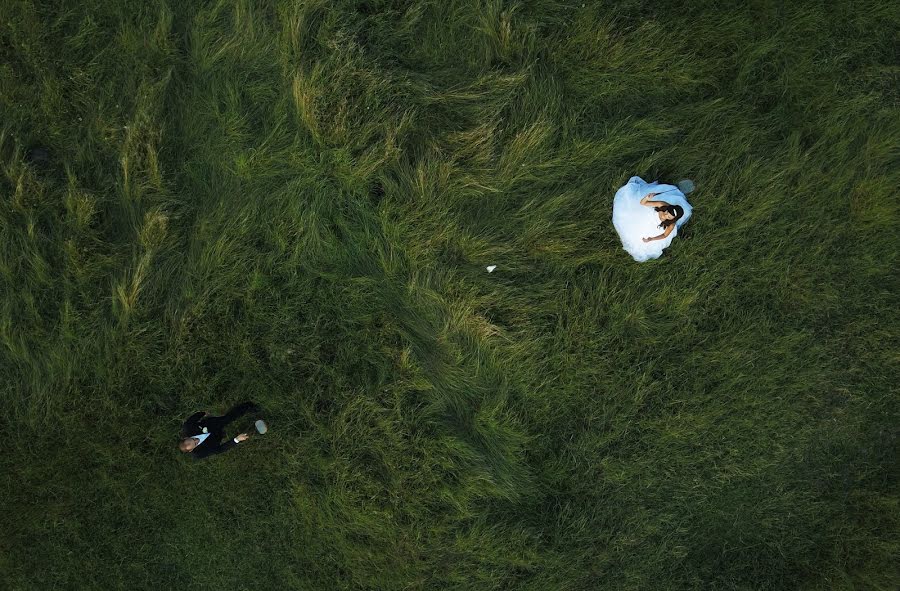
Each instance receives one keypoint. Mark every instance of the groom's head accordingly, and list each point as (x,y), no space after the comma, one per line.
(187,444)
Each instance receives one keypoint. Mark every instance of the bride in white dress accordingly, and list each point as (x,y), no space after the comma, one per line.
(647,225)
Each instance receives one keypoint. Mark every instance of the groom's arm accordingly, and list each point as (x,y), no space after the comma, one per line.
(206,451)
(192,421)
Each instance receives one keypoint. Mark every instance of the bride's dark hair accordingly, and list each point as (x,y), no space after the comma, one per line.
(675,210)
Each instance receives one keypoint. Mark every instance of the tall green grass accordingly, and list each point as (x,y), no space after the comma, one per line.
(294,202)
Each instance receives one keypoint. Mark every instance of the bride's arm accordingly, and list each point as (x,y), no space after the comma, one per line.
(668,231)
(645,200)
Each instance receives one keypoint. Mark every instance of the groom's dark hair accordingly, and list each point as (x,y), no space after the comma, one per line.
(675,210)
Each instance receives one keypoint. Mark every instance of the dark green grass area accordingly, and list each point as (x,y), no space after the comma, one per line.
(294,202)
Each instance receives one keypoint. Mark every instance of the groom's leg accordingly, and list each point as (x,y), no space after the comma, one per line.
(238,411)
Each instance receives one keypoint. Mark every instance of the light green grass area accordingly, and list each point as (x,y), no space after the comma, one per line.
(295,201)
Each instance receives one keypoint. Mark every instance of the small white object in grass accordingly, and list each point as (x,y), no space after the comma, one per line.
(491,268)
(261,427)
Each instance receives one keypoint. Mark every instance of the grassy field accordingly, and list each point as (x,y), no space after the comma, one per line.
(294,202)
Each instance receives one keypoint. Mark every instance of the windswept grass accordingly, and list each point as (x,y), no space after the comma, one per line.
(294,202)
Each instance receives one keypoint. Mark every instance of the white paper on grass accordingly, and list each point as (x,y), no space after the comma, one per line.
(491,268)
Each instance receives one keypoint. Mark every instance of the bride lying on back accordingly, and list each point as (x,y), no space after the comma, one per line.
(647,225)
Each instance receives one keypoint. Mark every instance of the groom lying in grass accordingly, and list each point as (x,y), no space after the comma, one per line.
(202,434)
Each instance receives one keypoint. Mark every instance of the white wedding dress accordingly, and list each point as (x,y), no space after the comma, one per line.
(634,221)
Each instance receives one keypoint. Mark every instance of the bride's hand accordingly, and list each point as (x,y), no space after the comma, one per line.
(646,239)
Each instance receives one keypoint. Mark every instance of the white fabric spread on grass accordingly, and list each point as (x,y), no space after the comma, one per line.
(634,221)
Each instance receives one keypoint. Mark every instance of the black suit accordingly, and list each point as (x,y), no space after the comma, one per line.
(215,426)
